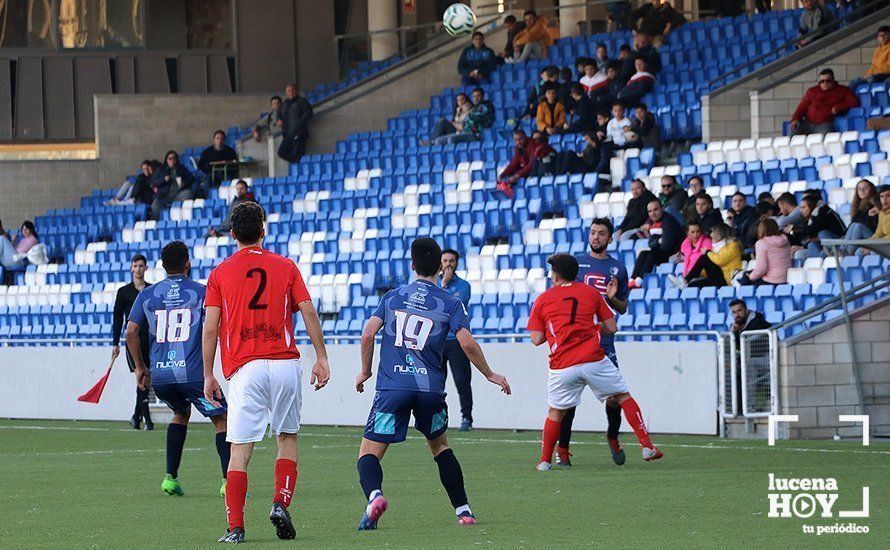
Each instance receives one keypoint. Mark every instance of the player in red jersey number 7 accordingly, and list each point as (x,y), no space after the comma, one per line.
(569,317)
(250,302)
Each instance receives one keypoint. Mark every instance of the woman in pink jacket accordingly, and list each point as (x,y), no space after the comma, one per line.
(693,246)
(772,251)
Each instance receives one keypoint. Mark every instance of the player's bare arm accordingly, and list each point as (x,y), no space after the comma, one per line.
(134,345)
(609,326)
(321,372)
(537,337)
(372,327)
(619,306)
(475,355)
(210,335)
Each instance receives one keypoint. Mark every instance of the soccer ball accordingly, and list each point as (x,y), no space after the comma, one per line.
(459,20)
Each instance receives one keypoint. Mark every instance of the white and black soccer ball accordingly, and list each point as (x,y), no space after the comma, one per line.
(459,20)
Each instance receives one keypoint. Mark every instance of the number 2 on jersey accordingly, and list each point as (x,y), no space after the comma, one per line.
(174,325)
(412,331)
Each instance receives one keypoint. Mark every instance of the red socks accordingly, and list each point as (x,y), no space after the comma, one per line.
(236,493)
(551,436)
(635,419)
(285,480)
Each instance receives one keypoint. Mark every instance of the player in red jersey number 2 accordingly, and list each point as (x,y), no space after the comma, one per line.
(250,302)
(569,317)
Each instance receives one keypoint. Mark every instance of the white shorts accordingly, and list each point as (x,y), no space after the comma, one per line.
(264,392)
(564,386)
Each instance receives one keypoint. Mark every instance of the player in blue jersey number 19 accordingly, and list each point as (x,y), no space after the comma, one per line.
(173,309)
(416,319)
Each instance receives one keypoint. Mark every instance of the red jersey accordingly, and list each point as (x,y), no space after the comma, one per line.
(569,316)
(258,292)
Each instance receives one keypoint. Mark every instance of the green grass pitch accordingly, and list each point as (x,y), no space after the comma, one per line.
(97,485)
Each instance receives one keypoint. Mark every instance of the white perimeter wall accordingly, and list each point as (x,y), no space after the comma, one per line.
(675,384)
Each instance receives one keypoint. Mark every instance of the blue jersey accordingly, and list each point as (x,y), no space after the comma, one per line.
(174,312)
(459,288)
(417,319)
(597,273)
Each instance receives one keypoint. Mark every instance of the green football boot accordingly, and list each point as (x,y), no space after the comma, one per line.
(171,486)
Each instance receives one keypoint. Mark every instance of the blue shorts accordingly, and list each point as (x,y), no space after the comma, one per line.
(388,421)
(179,397)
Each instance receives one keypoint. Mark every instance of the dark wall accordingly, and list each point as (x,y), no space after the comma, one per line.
(165,25)
(316,50)
(265,43)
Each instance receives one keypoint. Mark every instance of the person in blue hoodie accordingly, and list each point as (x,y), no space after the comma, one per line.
(476,62)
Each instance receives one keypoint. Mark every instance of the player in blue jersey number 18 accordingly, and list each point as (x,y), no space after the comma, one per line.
(416,319)
(173,309)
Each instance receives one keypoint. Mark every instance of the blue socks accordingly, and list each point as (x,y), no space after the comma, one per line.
(224,450)
(452,478)
(175,443)
(370,474)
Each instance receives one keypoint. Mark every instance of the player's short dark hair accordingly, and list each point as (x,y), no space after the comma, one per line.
(883,188)
(740,194)
(787,198)
(811,201)
(642,106)
(605,222)
(480,90)
(827,71)
(738,302)
(247,222)
(274,97)
(699,178)
(510,19)
(451,251)
(477,33)
(133,260)
(564,265)
(218,132)
(426,256)
(174,256)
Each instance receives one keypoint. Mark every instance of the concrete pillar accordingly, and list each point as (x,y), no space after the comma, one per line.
(383,14)
(570,17)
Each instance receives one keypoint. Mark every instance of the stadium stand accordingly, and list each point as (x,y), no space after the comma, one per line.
(347,218)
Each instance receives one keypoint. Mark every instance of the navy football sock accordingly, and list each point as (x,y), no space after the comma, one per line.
(452,477)
(613,414)
(565,429)
(224,450)
(175,443)
(370,474)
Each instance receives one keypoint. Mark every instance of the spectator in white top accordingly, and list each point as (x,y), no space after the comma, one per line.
(615,138)
(592,78)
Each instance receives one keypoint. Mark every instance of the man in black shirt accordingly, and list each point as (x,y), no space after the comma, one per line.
(216,155)
(126,295)
(295,114)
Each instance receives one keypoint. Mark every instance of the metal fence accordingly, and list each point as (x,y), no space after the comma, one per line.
(729,396)
(758,356)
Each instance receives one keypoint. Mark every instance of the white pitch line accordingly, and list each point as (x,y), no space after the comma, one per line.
(463,440)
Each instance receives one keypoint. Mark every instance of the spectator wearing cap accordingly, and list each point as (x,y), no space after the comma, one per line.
(476,62)
(551,115)
(820,104)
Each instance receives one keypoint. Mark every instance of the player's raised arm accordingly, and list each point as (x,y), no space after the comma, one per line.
(372,327)
(475,355)
(134,345)
(210,335)
(612,291)
(321,372)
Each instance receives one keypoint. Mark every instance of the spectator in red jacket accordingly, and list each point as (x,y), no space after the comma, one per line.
(820,104)
(520,165)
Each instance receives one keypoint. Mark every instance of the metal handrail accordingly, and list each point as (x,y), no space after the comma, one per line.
(852,294)
(833,23)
